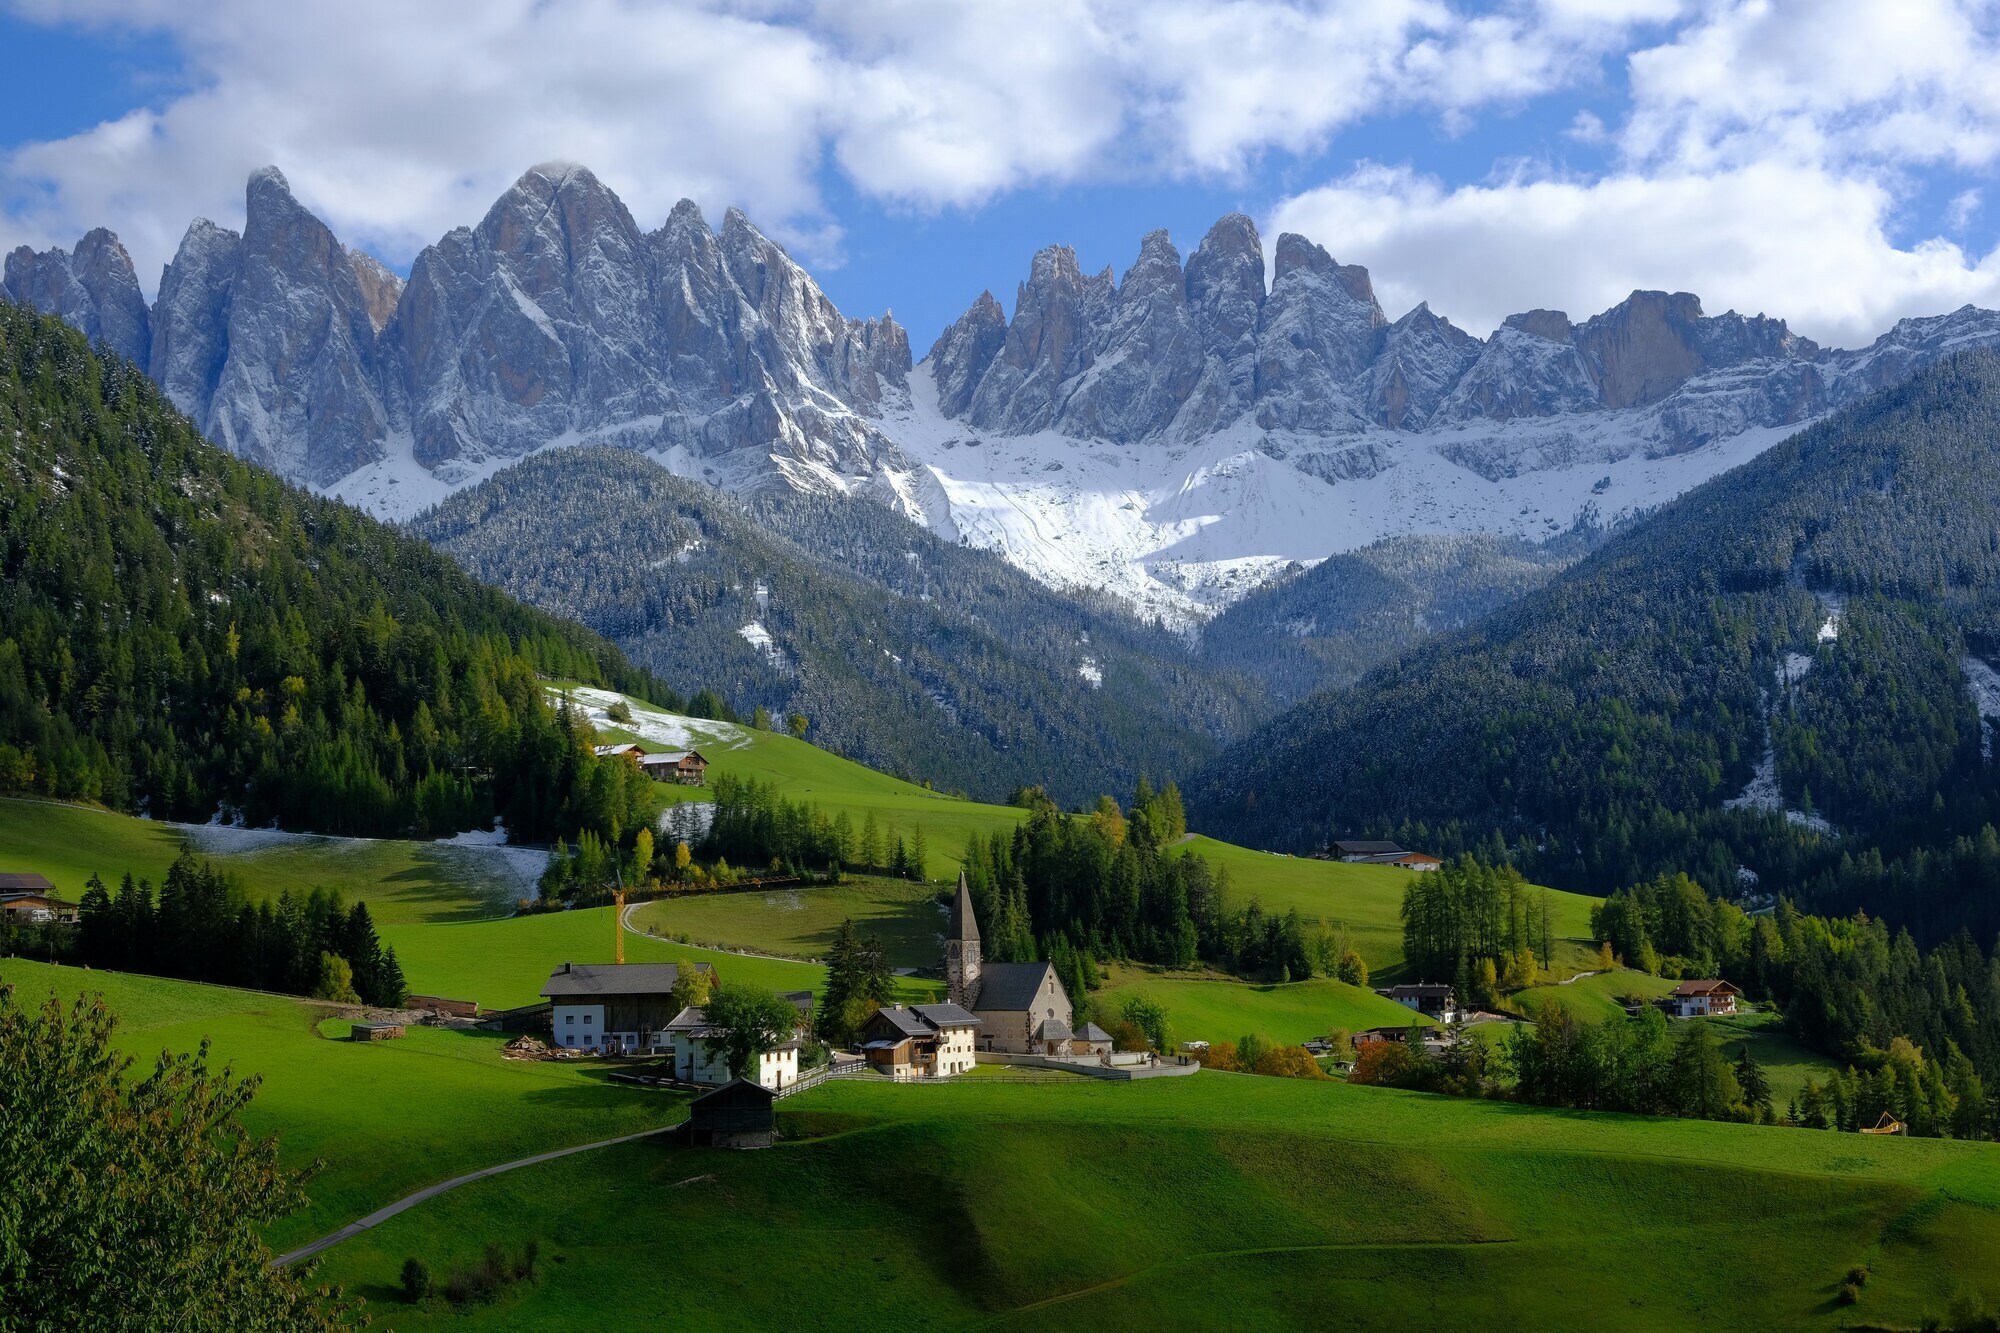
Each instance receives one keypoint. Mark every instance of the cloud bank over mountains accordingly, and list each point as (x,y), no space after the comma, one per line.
(1821,159)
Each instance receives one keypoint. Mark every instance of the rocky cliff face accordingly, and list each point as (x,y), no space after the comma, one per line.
(94,289)
(1176,353)
(1272,412)
(555,318)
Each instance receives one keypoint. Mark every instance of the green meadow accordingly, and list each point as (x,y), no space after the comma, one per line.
(401,880)
(804,772)
(1368,900)
(1218,1201)
(1592,999)
(1214,1008)
(802,920)
(387,1118)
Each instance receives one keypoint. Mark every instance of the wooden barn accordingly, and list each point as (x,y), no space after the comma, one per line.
(685,767)
(739,1114)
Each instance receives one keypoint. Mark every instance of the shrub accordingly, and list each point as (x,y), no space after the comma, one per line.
(417,1284)
(1219,1055)
(1289,1062)
(1849,1293)
(1250,1049)
(1858,1275)
(1385,1064)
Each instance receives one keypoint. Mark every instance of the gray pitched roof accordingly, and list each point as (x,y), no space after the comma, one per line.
(1007,987)
(590,980)
(1092,1032)
(946,1015)
(906,1021)
(1052,1029)
(694,1022)
(1365,848)
(25,882)
(964,924)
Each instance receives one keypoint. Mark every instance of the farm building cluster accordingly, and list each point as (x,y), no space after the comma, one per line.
(686,767)
(630,1009)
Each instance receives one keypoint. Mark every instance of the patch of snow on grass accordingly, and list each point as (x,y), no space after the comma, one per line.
(669,731)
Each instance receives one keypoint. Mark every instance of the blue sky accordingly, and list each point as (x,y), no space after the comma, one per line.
(1829,161)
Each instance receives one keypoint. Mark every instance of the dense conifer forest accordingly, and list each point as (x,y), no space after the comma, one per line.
(1823,609)
(181,632)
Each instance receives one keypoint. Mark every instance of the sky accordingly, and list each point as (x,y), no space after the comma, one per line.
(1831,162)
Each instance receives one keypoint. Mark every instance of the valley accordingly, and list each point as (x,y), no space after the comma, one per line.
(1192,803)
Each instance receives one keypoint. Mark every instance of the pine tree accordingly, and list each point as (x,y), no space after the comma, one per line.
(1750,1078)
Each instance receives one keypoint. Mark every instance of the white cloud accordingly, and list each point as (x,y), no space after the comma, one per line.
(1796,242)
(1763,159)
(1764,163)
(398,121)
(1963,208)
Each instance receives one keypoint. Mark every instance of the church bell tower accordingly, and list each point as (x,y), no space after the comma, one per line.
(961,949)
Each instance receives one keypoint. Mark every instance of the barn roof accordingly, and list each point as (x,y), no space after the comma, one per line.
(20,881)
(1363,848)
(573,980)
(1710,987)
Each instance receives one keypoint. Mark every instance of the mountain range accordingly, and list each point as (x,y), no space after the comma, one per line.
(1174,436)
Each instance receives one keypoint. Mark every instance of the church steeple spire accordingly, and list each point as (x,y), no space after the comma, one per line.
(961,948)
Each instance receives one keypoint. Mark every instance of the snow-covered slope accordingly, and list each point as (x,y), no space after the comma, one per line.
(1172,436)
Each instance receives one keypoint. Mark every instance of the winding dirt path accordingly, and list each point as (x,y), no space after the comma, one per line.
(403,1205)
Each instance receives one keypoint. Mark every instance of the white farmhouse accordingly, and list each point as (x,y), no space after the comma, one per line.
(613,1008)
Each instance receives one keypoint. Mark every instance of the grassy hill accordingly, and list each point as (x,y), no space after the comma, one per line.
(1212,1008)
(387,1118)
(804,772)
(801,922)
(1219,1202)
(1368,900)
(402,880)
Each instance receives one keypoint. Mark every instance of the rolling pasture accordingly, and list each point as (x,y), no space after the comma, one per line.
(1368,900)
(1219,1201)
(387,1118)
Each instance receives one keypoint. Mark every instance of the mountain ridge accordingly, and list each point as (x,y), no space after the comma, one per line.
(1778,682)
(1174,434)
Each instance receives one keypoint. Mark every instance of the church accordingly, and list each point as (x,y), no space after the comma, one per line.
(1022,1008)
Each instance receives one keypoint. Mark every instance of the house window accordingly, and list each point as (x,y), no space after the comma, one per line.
(570,1019)
(587,1019)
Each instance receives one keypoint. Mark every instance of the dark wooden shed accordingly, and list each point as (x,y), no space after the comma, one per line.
(739,1114)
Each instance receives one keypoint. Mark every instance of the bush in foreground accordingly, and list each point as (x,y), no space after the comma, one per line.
(137,1204)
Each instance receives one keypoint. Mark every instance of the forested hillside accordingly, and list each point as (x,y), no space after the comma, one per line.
(1801,639)
(1324,627)
(907,653)
(179,631)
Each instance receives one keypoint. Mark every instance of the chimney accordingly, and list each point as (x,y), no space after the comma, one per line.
(565,969)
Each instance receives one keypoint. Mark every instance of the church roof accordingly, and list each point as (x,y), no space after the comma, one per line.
(964,926)
(1010,987)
